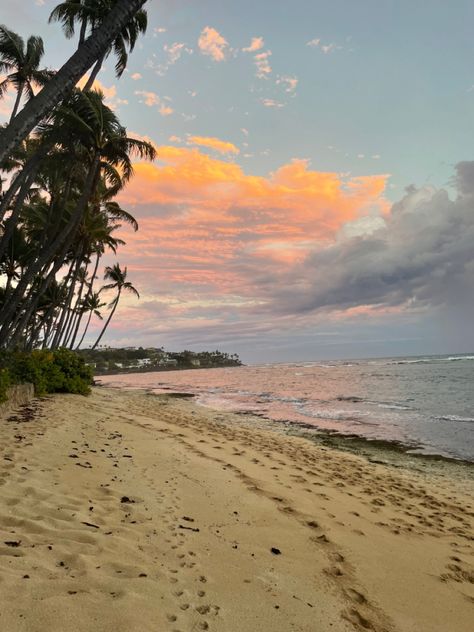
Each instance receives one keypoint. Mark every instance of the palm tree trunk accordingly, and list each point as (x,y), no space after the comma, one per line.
(82,34)
(108,320)
(67,77)
(49,253)
(86,297)
(73,311)
(12,220)
(30,167)
(94,73)
(47,331)
(79,315)
(64,319)
(13,332)
(19,94)
(85,330)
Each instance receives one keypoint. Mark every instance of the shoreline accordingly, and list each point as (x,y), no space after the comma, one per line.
(130,512)
(352,443)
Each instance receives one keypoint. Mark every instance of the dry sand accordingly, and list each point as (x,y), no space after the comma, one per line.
(130,512)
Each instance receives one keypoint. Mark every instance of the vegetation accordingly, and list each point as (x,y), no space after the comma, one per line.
(60,371)
(64,157)
(58,212)
(137,360)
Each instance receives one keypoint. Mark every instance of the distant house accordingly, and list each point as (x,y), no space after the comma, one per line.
(168,362)
(143,361)
(195,362)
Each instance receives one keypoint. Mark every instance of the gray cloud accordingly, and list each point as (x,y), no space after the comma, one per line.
(423,255)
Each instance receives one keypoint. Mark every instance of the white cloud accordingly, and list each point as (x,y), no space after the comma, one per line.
(151,99)
(289,83)
(271,103)
(325,48)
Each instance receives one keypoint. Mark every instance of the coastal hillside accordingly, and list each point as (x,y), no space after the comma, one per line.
(136,360)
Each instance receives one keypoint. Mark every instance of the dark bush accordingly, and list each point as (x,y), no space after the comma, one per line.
(5,382)
(60,371)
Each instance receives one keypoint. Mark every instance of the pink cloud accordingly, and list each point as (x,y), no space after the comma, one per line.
(205,210)
(263,64)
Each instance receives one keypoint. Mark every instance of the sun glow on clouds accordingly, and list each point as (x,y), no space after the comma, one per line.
(221,146)
(255,45)
(211,232)
(213,44)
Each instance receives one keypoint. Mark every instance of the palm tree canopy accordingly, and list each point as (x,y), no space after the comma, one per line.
(89,14)
(20,63)
(119,280)
(64,80)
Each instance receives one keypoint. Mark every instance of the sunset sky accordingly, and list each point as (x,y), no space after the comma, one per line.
(313,195)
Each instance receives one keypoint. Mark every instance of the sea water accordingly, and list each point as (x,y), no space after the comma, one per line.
(425,403)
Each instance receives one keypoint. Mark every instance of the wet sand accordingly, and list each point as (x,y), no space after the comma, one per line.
(130,512)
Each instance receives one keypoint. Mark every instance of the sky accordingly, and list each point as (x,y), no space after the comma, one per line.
(313,195)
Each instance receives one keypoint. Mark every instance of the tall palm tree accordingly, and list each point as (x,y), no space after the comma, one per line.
(119,283)
(67,77)
(21,64)
(91,304)
(89,14)
(109,154)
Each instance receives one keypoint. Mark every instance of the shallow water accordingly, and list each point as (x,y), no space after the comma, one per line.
(425,403)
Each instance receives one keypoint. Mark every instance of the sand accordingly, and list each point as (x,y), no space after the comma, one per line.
(129,512)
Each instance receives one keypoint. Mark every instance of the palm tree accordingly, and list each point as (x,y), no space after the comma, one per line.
(119,283)
(91,304)
(63,82)
(89,14)
(21,64)
(108,154)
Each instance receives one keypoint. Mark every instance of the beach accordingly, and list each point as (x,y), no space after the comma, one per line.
(129,511)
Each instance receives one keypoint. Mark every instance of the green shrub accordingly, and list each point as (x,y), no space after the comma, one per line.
(5,382)
(60,371)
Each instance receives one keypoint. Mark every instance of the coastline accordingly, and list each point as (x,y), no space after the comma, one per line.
(145,512)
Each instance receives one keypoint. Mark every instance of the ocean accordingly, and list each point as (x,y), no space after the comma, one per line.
(424,403)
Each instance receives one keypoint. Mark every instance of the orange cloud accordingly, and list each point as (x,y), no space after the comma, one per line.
(110,93)
(256,44)
(223,147)
(212,43)
(205,224)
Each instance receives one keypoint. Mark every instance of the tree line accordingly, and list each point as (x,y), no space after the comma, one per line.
(64,158)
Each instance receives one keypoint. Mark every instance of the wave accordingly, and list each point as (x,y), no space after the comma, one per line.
(433,359)
(457,418)
(333,415)
(393,406)
(418,361)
